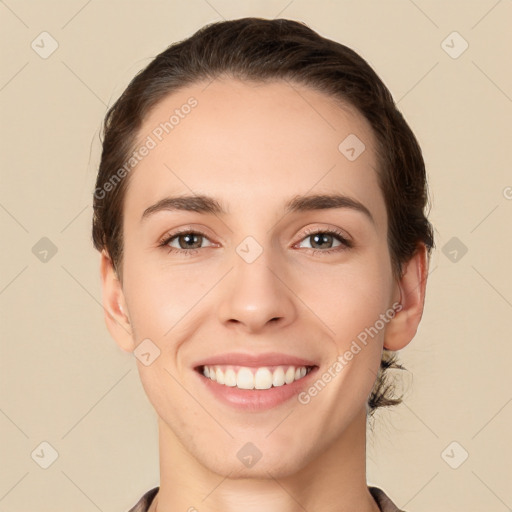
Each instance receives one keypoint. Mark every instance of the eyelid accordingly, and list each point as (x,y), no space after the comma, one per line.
(173,233)
(345,240)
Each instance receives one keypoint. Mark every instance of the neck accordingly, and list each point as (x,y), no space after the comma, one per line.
(333,482)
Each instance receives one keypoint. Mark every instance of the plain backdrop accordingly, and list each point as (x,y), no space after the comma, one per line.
(63,379)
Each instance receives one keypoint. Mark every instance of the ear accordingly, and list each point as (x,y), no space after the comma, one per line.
(114,305)
(402,328)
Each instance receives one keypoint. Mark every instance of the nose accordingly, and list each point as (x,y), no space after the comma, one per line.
(257,295)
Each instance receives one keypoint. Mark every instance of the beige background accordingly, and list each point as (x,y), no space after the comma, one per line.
(63,379)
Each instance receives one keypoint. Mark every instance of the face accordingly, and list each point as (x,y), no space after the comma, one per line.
(248,283)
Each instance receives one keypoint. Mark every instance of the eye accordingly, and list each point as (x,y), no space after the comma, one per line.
(187,242)
(324,241)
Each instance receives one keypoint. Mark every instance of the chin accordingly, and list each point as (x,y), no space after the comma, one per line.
(246,461)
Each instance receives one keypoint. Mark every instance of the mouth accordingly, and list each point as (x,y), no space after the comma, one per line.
(246,377)
(254,383)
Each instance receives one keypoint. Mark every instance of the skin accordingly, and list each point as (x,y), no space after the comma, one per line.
(253,147)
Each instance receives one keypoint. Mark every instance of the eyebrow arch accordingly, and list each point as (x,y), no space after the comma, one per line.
(195,203)
(209,205)
(326,202)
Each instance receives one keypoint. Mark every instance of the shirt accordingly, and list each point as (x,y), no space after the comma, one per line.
(383,501)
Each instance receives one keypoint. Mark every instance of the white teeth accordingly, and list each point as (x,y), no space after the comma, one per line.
(290,375)
(230,377)
(278,377)
(255,378)
(219,374)
(244,379)
(263,379)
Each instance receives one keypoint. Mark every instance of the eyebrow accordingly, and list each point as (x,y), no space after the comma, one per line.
(209,205)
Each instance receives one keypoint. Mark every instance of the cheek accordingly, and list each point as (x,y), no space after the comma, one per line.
(347,298)
(162,300)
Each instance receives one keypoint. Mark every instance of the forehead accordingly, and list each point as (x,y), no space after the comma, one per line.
(252,143)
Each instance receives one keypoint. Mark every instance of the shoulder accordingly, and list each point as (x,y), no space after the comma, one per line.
(143,504)
(383,500)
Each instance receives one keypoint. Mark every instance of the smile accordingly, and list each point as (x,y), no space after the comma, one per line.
(244,377)
(254,382)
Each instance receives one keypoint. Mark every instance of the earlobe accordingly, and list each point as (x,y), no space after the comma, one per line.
(114,305)
(412,285)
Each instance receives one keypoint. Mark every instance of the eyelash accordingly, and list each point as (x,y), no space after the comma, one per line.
(345,243)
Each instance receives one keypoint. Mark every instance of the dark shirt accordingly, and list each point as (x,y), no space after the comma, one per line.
(384,503)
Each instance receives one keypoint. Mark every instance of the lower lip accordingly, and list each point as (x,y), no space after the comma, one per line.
(256,399)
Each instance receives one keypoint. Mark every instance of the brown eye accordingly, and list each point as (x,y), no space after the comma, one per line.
(326,241)
(189,241)
(321,240)
(185,242)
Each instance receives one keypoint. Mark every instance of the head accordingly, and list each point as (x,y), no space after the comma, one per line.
(255,112)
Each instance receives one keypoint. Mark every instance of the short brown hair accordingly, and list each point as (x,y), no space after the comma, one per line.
(257,49)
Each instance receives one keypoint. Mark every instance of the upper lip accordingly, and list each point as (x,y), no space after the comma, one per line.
(254,360)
